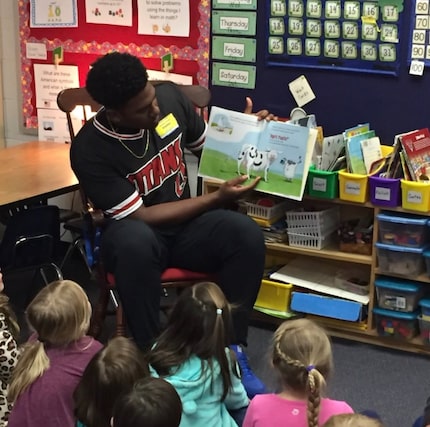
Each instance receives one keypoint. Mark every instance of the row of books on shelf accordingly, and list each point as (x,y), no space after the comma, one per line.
(359,150)
(282,153)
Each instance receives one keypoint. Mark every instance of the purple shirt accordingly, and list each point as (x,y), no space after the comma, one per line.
(271,410)
(48,402)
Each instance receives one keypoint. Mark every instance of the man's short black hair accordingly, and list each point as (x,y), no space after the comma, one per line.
(116,78)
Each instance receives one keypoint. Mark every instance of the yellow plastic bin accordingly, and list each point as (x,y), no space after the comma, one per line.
(274,295)
(415,195)
(353,186)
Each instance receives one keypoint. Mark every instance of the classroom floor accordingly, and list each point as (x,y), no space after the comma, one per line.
(393,383)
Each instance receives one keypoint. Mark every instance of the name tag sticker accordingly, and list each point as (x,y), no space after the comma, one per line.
(166,125)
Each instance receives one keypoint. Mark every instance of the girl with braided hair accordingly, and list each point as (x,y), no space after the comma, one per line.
(302,356)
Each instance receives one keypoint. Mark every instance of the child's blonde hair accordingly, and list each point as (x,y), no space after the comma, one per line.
(302,354)
(352,420)
(199,324)
(60,314)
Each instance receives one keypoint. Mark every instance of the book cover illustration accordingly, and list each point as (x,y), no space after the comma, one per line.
(350,132)
(238,144)
(332,148)
(372,152)
(354,153)
(416,151)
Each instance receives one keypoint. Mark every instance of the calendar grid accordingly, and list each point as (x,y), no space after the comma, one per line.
(354,35)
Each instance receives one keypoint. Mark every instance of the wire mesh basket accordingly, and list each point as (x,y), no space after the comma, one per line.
(313,223)
(312,241)
(266,212)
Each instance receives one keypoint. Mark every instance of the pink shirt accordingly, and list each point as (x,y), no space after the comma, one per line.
(271,410)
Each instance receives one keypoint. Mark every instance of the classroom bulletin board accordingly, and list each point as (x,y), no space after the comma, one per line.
(83,44)
(352,35)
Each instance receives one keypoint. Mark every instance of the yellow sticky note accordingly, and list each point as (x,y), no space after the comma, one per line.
(166,125)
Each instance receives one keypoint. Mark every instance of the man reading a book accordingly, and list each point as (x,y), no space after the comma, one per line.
(130,162)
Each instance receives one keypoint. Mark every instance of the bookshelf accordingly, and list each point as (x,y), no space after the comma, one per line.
(362,331)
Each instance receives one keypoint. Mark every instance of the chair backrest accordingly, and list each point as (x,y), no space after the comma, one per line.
(77,97)
(31,238)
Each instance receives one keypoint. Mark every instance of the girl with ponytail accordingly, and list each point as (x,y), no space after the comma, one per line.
(192,354)
(53,359)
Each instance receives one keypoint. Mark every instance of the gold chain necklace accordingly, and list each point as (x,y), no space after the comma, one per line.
(125,145)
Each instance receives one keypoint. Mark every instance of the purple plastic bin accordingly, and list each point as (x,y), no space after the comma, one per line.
(385,191)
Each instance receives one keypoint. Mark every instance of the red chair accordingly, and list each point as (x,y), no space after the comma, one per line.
(171,278)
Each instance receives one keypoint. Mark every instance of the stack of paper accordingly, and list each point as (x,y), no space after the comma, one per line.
(316,275)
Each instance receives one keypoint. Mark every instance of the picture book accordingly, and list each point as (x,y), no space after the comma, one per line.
(332,148)
(239,144)
(393,163)
(348,133)
(354,153)
(416,152)
(372,152)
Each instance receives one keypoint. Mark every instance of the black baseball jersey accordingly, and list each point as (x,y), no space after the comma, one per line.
(117,181)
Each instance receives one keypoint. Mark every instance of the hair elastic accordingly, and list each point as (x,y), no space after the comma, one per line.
(219,311)
(310,367)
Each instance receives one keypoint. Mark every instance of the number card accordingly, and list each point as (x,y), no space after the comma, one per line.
(351,35)
(419,41)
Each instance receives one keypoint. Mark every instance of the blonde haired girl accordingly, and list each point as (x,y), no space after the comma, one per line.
(302,356)
(352,420)
(54,357)
(193,355)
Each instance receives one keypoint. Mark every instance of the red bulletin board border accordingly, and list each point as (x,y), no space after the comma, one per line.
(191,54)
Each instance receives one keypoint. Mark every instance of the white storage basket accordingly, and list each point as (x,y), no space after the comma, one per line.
(317,223)
(265,212)
(312,241)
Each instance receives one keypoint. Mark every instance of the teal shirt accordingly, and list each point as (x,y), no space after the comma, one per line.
(201,393)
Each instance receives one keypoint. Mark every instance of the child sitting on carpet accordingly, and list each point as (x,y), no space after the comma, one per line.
(153,402)
(9,333)
(53,359)
(302,356)
(192,353)
(111,372)
(352,420)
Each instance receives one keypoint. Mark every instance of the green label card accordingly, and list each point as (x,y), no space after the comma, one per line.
(234,49)
(234,23)
(235,4)
(233,75)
